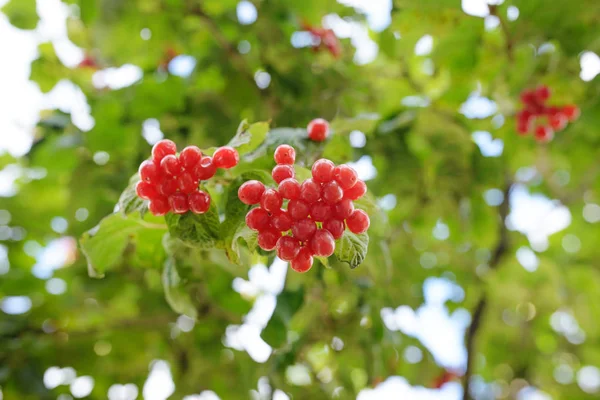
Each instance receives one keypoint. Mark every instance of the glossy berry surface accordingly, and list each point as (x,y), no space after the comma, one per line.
(163,148)
(199,202)
(310,191)
(258,219)
(289,189)
(205,169)
(303,261)
(356,192)
(179,203)
(285,155)
(187,182)
(267,239)
(271,201)
(159,206)
(298,209)
(322,171)
(322,244)
(189,157)
(343,209)
(170,165)
(332,192)
(320,211)
(251,192)
(226,157)
(358,222)
(281,172)
(288,248)
(304,229)
(345,176)
(146,190)
(149,171)
(318,130)
(282,221)
(335,227)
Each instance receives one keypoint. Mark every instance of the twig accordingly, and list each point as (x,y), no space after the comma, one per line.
(499,251)
(504,26)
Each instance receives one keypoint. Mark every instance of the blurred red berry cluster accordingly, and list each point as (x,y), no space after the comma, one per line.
(170,182)
(318,209)
(324,39)
(540,118)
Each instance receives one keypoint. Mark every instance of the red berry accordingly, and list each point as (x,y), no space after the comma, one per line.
(320,211)
(288,248)
(159,206)
(267,239)
(162,149)
(285,155)
(149,171)
(322,171)
(542,93)
(281,172)
(226,157)
(322,244)
(179,203)
(190,156)
(558,121)
(318,129)
(335,227)
(170,165)
(282,221)
(251,192)
(571,112)
(304,229)
(258,219)
(187,182)
(356,192)
(289,189)
(271,201)
(298,209)
(343,209)
(523,126)
(146,190)
(332,192)
(205,169)
(345,176)
(544,133)
(199,202)
(358,221)
(310,191)
(528,97)
(168,186)
(303,261)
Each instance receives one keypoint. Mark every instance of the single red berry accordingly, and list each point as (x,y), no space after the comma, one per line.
(345,176)
(149,171)
(322,171)
(558,121)
(285,155)
(542,93)
(332,192)
(528,97)
(267,239)
(271,201)
(310,191)
(288,248)
(159,206)
(258,219)
(322,244)
(523,126)
(357,191)
(358,221)
(318,129)
(303,261)
(179,203)
(187,182)
(205,169)
(298,209)
(289,189)
(304,229)
(170,165)
(282,221)
(189,157)
(226,157)
(343,209)
(544,133)
(168,186)
(281,172)
(335,227)
(199,202)
(146,190)
(161,149)
(320,211)
(571,112)
(251,192)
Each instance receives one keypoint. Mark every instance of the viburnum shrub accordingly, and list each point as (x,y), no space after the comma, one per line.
(540,118)
(302,220)
(170,182)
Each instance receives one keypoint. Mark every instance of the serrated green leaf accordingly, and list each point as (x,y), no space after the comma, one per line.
(249,136)
(248,236)
(196,230)
(352,248)
(175,293)
(129,201)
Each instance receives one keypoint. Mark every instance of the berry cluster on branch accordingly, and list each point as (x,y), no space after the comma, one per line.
(170,181)
(303,219)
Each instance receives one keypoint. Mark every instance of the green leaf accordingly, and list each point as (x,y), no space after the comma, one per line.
(196,230)
(288,304)
(129,201)
(249,137)
(21,13)
(248,236)
(352,248)
(362,122)
(175,292)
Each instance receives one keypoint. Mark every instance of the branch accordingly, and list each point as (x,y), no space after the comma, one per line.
(477,315)
(509,45)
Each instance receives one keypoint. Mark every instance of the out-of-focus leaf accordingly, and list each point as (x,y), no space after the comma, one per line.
(175,292)
(249,136)
(288,303)
(22,13)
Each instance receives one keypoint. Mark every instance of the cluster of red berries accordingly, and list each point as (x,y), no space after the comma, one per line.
(535,110)
(318,130)
(318,209)
(170,182)
(324,38)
